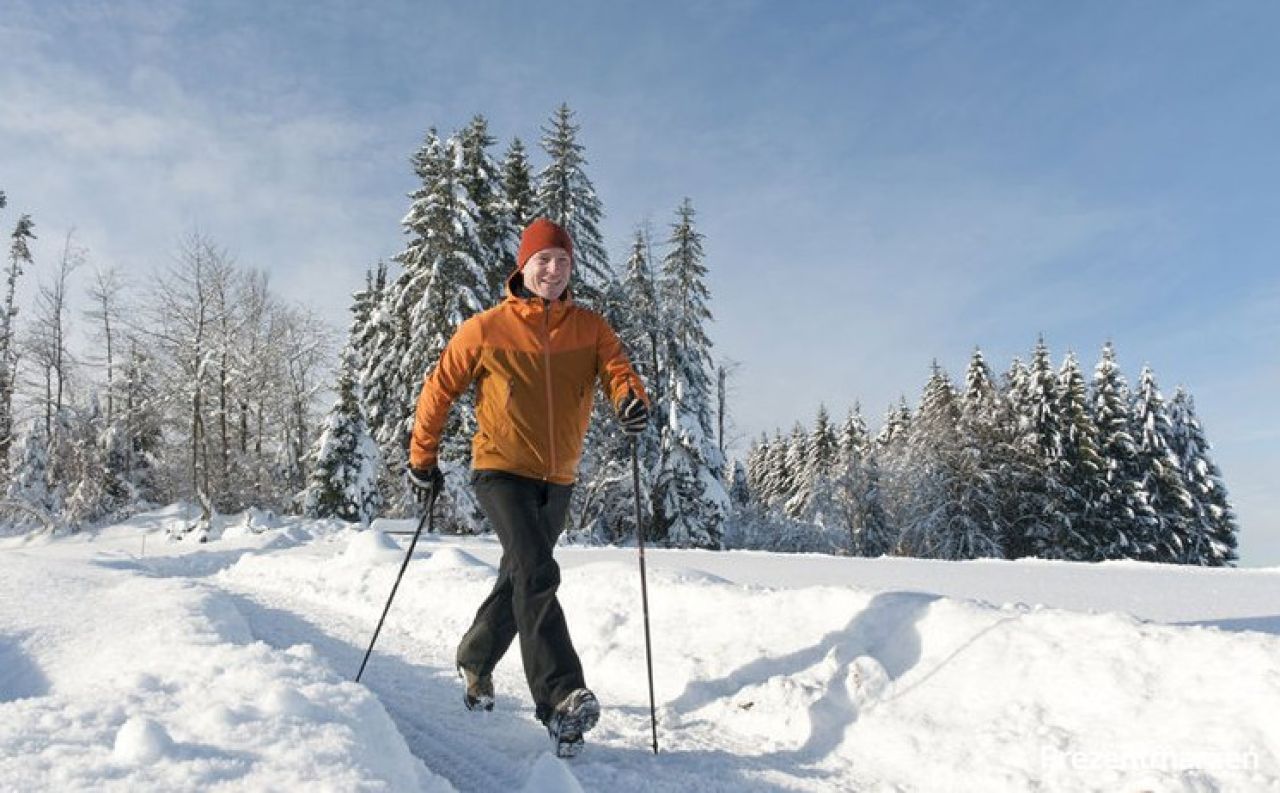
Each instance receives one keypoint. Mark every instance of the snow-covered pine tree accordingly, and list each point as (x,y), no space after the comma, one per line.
(1041,440)
(757,456)
(443,283)
(566,196)
(604,503)
(642,331)
(1016,460)
(856,490)
(691,501)
(496,231)
(379,346)
(796,463)
(941,519)
(982,437)
(979,466)
(1161,472)
(1213,538)
(365,303)
(345,464)
(812,499)
(1125,519)
(29,483)
(890,450)
(98,491)
(774,490)
(853,440)
(1080,477)
(19,255)
(517,185)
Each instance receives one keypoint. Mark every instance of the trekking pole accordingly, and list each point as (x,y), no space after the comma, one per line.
(426,519)
(644,589)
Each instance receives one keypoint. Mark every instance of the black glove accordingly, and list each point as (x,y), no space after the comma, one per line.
(427,482)
(633,414)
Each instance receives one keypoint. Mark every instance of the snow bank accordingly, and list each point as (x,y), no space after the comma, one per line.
(125,681)
(124,674)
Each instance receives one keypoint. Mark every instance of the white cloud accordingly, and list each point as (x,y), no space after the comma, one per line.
(136,165)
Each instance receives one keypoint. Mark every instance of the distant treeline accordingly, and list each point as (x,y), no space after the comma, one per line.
(1039,464)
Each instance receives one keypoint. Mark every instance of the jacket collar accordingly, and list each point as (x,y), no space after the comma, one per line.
(520,297)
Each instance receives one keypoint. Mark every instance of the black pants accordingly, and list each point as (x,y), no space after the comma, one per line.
(528,515)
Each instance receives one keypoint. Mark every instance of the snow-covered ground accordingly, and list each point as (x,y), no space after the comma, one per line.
(128,662)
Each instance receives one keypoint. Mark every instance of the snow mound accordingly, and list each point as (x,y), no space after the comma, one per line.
(452,559)
(141,741)
(551,775)
(160,684)
(251,521)
(371,548)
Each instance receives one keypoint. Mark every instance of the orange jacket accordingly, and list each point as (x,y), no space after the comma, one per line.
(535,366)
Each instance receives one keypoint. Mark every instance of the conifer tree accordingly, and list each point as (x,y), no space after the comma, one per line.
(605,502)
(853,440)
(496,230)
(1041,441)
(796,461)
(1161,473)
(773,493)
(19,254)
(1124,515)
(378,343)
(344,474)
(642,330)
(941,519)
(443,283)
(812,499)
(691,498)
(517,186)
(29,483)
(757,459)
(890,449)
(1079,476)
(98,490)
(566,196)
(856,489)
(982,465)
(1213,537)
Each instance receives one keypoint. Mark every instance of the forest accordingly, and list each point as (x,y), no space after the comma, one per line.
(199,383)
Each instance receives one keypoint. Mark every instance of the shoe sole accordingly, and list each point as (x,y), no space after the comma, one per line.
(582,715)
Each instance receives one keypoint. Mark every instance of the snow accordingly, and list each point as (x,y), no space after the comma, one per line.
(227,665)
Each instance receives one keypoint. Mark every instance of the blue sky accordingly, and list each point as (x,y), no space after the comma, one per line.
(881,184)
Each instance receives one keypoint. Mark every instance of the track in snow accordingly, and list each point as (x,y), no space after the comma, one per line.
(496,751)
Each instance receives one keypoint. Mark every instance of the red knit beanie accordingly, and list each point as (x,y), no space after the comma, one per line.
(540,235)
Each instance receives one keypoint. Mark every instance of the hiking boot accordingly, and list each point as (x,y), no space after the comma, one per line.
(479,693)
(576,714)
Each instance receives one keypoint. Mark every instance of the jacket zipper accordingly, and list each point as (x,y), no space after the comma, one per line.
(546,360)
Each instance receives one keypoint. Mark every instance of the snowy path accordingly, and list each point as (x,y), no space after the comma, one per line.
(498,751)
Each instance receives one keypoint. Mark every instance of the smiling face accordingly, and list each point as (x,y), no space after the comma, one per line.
(546,273)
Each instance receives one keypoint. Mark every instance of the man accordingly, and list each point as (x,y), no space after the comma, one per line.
(534,359)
